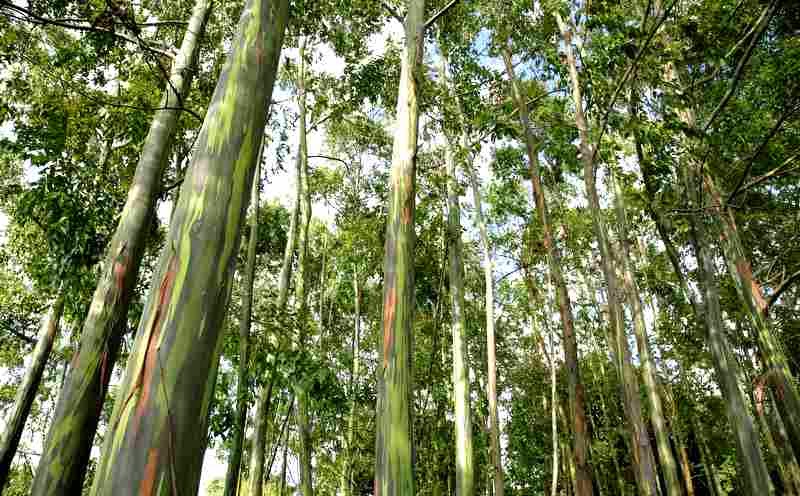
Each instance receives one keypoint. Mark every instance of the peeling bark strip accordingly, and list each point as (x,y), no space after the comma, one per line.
(393,457)
(26,392)
(69,441)
(177,345)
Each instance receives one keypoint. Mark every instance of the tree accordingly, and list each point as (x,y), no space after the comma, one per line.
(190,291)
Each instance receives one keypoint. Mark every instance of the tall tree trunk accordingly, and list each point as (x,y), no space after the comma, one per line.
(725,365)
(393,453)
(65,454)
(465,474)
(257,453)
(16,417)
(644,466)
(669,468)
(162,404)
(347,470)
(747,439)
(583,477)
(245,319)
(301,297)
(491,344)
(752,295)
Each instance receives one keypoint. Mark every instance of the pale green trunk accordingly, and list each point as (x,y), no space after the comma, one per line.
(157,433)
(751,294)
(464,465)
(258,444)
(393,458)
(347,469)
(669,468)
(257,453)
(488,270)
(16,417)
(69,441)
(301,297)
(646,477)
(245,319)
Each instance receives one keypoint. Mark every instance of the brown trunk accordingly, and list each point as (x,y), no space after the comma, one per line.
(582,469)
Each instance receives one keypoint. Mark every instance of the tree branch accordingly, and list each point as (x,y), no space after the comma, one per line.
(392,11)
(439,14)
(737,75)
(758,151)
(786,284)
(628,73)
(773,173)
(23,14)
(326,157)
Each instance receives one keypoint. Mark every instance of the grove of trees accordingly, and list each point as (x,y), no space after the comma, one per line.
(397,247)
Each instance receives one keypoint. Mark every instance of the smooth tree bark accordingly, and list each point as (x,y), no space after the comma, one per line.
(258,444)
(393,457)
(245,320)
(726,367)
(301,296)
(347,471)
(669,468)
(16,417)
(65,454)
(156,436)
(644,462)
(464,464)
(580,451)
(488,275)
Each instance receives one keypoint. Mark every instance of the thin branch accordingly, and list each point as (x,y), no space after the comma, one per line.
(33,18)
(168,22)
(786,284)
(737,75)
(392,11)
(777,171)
(758,151)
(439,14)
(329,158)
(628,73)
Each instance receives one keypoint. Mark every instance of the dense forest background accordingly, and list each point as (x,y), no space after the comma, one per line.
(399,247)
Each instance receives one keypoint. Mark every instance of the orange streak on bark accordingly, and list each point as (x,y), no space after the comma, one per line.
(120,269)
(743,266)
(148,481)
(388,323)
(406,215)
(151,352)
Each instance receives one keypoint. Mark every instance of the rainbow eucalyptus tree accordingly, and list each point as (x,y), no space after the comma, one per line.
(156,436)
(393,462)
(580,428)
(69,440)
(26,392)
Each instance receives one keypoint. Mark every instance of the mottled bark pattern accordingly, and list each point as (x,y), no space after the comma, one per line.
(393,458)
(16,417)
(751,294)
(156,437)
(69,440)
